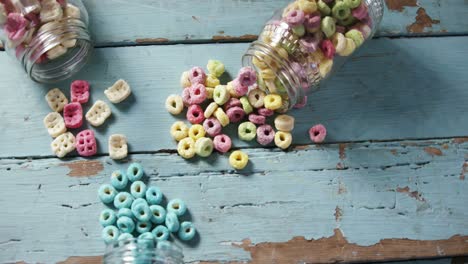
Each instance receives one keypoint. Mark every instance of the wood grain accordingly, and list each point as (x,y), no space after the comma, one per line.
(392,89)
(52,216)
(150,21)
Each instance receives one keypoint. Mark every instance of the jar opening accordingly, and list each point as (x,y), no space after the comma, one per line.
(57,51)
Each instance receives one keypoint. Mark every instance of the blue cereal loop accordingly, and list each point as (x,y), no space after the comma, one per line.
(119,180)
(107,217)
(143,227)
(125,224)
(107,193)
(138,189)
(177,206)
(123,200)
(125,212)
(161,233)
(154,195)
(110,234)
(158,214)
(146,240)
(125,236)
(187,231)
(141,212)
(135,172)
(172,222)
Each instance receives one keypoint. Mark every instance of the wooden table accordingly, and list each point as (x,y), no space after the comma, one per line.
(389,184)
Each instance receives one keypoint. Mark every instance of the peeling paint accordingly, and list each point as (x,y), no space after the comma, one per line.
(342,149)
(394,152)
(464,170)
(338,214)
(337,249)
(151,40)
(246,37)
(301,147)
(433,151)
(342,188)
(82,260)
(460,140)
(413,194)
(423,20)
(399,5)
(84,168)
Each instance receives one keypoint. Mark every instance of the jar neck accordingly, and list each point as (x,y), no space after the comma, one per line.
(281,53)
(143,251)
(51,36)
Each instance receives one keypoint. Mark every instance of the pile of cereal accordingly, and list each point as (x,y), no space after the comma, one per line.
(212,106)
(85,142)
(136,211)
(24,20)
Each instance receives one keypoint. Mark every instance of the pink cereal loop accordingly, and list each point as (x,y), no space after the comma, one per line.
(197,93)
(231,103)
(265,112)
(318,133)
(212,126)
(16,26)
(197,75)
(235,114)
(222,143)
(247,76)
(239,88)
(257,119)
(195,114)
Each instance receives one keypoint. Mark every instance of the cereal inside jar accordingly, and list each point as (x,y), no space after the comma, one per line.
(304,42)
(49,38)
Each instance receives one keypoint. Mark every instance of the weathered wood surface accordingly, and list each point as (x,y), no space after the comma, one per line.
(408,92)
(156,22)
(329,203)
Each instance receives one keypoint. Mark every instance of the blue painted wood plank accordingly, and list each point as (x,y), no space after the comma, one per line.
(392,89)
(380,191)
(143,21)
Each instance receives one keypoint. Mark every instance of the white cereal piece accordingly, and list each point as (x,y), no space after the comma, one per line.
(63,144)
(118,92)
(284,123)
(184,79)
(55,124)
(174,104)
(56,99)
(118,148)
(56,52)
(50,11)
(98,113)
(69,41)
(3,14)
(72,11)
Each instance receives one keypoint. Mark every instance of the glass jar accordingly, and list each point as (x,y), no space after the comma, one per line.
(50,38)
(143,251)
(303,43)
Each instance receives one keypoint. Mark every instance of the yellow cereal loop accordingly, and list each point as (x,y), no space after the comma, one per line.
(209,92)
(238,159)
(325,67)
(273,101)
(316,56)
(231,90)
(179,130)
(259,63)
(283,139)
(211,81)
(292,6)
(221,116)
(210,109)
(184,79)
(307,6)
(282,52)
(350,47)
(267,74)
(186,148)
(339,42)
(196,131)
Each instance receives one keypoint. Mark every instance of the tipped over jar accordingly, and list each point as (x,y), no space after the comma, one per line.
(302,44)
(49,38)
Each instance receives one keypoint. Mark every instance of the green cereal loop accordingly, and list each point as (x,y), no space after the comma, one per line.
(299,30)
(328,26)
(341,10)
(221,94)
(215,67)
(356,36)
(203,147)
(348,21)
(323,8)
(247,131)
(289,48)
(280,87)
(353,3)
(246,105)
